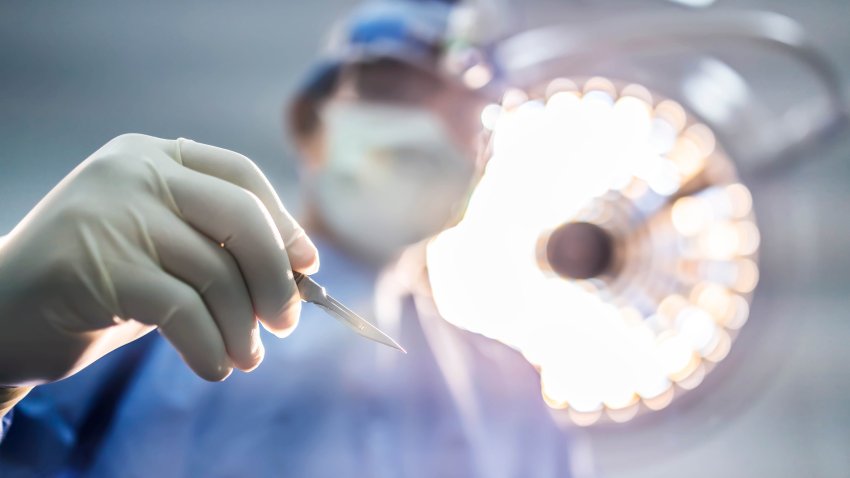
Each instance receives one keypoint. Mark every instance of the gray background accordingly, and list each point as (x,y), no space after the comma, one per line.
(75,74)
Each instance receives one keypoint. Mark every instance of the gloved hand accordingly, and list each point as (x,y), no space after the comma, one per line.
(150,233)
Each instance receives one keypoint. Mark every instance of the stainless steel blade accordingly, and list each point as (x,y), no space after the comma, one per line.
(311,291)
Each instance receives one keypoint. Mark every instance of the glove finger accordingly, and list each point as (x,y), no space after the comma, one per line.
(151,296)
(230,215)
(213,273)
(241,171)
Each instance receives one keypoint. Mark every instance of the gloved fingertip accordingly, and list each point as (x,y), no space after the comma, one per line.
(284,324)
(280,333)
(303,255)
(312,268)
(220,374)
(259,354)
(284,332)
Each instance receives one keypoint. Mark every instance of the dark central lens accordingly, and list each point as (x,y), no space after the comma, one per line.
(579,250)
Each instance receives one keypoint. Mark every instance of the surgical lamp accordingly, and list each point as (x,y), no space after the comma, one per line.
(617,207)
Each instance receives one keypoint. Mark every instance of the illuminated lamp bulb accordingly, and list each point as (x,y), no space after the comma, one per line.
(633,248)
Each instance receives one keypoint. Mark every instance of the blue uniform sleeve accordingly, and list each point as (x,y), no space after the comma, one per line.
(5,422)
(60,421)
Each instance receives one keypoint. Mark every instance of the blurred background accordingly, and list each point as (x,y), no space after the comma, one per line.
(75,74)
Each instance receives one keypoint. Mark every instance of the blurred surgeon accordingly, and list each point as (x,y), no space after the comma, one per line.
(191,240)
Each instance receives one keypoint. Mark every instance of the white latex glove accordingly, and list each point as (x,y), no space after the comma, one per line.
(131,240)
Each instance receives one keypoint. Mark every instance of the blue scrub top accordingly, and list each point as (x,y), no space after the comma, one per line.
(324,403)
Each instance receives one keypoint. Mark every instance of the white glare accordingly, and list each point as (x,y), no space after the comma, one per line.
(477,76)
(490,115)
(600,353)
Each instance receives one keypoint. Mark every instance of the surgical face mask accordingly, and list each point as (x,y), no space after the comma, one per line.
(392,176)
